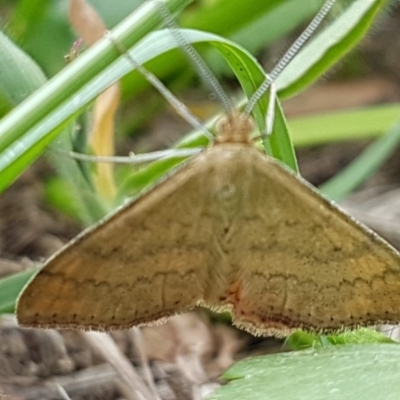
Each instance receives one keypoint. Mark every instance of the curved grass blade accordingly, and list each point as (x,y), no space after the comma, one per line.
(29,128)
(38,137)
(329,46)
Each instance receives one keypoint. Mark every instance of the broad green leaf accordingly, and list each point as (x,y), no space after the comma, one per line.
(367,371)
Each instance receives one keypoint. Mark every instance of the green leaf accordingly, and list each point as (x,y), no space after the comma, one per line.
(10,288)
(281,19)
(364,166)
(301,340)
(27,130)
(364,123)
(25,17)
(367,372)
(280,142)
(250,75)
(20,75)
(313,61)
(329,46)
(80,72)
(18,154)
(226,16)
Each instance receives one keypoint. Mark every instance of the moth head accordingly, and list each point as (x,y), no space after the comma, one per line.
(234,128)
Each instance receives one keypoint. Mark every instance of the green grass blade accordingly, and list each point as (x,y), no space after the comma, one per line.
(27,130)
(250,75)
(280,141)
(363,123)
(37,138)
(342,184)
(227,16)
(329,46)
(280,21)
(80,72)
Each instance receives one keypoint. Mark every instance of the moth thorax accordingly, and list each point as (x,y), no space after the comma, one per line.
(234,128)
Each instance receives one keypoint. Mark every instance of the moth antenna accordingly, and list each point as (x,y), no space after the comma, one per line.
(205,73)
(137,159)
(289,55)
(179,107)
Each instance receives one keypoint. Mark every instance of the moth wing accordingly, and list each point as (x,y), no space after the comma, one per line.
(144,263)
(306,263)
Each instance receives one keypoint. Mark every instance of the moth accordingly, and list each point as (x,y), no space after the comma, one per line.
(232,229)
